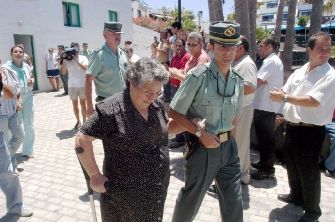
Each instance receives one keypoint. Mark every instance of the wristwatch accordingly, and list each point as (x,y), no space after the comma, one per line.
(197,133)
(285,98)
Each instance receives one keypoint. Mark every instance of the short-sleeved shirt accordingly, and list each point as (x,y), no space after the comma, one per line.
(76,73)
(136,155)
(8,106)
(246,68)
(128,138)
(178,62)
(319,84)
(205,94)
(193,62)
(272,72)
(108,70)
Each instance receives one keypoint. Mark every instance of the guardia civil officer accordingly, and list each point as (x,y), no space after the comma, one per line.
(211,92)
(106,67)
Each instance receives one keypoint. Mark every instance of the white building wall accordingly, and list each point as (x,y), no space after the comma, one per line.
(43,19)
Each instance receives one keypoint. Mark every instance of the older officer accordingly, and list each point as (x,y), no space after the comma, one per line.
(106,67)
(211,92)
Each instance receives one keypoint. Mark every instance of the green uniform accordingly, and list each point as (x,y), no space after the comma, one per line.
(108,70)
(205,94)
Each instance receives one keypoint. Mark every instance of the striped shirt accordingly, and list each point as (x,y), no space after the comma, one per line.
(8,106)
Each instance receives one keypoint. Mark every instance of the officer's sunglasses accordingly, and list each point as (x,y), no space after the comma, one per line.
(225,93)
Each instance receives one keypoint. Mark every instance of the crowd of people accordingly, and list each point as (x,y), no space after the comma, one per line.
(214,92)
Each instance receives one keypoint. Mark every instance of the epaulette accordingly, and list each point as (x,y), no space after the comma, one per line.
(238,75)
(97,50)
(197,71)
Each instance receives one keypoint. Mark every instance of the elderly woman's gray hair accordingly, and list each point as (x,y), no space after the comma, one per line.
(195,35)
(146,70)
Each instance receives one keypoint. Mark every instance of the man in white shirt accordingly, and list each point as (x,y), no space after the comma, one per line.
(308,98)
(76,69)
(128,48)
(247,69)
(269,77)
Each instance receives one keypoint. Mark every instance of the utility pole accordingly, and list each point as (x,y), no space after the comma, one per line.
(179,11)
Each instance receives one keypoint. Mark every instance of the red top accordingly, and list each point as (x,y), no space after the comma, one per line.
(334,115)
(178,62)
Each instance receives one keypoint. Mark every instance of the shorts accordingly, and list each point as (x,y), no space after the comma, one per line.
(53,73)
(75,92)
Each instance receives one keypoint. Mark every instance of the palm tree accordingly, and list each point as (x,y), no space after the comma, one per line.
(329,6)
(242,12)
(252,21)
(279,20)
(215,10)
(289,38)
(316,17)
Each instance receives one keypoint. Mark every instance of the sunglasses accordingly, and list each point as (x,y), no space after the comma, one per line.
(192,44)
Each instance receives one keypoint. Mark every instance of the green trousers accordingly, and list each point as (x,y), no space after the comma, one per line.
(205,165)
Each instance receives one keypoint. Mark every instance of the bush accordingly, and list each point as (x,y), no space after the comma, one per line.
(156,25)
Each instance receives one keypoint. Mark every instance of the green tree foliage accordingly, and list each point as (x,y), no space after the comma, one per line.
(261,33)
(187,19)
(231,17)
(303,20)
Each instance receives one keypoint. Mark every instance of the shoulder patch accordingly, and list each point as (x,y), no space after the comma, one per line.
(197,71)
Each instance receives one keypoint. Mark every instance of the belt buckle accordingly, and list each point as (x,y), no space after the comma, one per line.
(223,137)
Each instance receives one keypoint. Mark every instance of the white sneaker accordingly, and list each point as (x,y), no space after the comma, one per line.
(25,212)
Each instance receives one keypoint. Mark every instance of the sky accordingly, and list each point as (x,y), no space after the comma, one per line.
(192,5)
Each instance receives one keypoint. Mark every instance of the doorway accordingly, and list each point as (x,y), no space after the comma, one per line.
(27,41)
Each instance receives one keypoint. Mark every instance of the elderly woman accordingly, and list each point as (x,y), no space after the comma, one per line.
(133,127)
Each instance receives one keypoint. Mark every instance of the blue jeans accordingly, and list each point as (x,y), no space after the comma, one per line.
(9,182)
(330,161)
(12,124)
(28,118)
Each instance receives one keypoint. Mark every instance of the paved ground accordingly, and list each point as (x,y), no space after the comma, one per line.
(54,187)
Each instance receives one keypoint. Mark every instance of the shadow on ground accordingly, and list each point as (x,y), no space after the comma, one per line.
(9,218)
(86,198)
(288,213)
(177,168)
(66,134)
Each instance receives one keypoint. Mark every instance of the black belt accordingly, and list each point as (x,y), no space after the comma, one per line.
(225,136)
(301,124)
(99,98)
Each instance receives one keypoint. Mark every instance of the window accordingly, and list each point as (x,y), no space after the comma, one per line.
(305,12)
(71,14)
(267,18)
(139,13)
(113,16)
(271,5)
(284,16)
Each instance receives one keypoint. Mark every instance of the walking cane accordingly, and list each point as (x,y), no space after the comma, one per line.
(90,193)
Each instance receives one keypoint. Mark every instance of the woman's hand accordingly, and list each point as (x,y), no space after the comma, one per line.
(19,106)
(97,183)
(30,82)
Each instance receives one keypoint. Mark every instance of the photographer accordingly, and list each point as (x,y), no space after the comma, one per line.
(75,66)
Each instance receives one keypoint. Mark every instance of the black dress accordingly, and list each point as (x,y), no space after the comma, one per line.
(136,159)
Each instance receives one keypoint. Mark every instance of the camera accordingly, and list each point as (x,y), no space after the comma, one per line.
(68,54)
